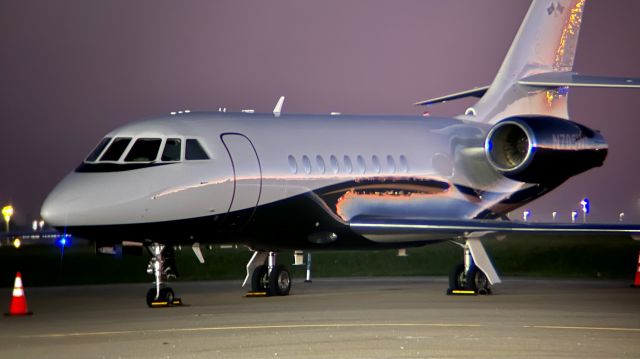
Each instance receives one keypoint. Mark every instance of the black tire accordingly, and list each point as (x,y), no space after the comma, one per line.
(475,280)
(260,279)
(457,278)
(479,281)
(280,281)
(167,295)
(151,296)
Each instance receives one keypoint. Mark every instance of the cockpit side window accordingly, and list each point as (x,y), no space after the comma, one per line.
(172,150)
(194,151)
(98,150)
(144,150)
(116,149)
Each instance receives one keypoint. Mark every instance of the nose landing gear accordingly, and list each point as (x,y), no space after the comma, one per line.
(161,266)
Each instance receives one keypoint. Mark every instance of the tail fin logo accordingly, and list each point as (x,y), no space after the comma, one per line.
(556,9)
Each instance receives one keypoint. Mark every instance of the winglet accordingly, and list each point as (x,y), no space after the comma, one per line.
(278,109)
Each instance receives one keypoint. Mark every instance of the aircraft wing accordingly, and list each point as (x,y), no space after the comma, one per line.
(397,230)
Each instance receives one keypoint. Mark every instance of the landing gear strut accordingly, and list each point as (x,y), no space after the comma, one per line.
(161,266)
(467,278)
(268,279)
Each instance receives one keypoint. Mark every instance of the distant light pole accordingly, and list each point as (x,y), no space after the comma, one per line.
(7,212)
(621,216)
(586,206)
(574,215)
(526,214)
(554,214)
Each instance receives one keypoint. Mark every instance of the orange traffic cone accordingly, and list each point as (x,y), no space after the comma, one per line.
(18,301)
(636,283)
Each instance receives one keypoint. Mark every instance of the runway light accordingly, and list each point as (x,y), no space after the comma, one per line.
(586,207)
(7,212)
(63,241)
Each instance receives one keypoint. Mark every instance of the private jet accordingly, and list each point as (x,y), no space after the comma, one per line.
(279,182)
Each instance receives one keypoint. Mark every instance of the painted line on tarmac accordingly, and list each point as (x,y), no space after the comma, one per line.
(319,326)
(610,329)
(256,327)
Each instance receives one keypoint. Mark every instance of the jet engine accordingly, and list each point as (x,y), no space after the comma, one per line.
(539,149)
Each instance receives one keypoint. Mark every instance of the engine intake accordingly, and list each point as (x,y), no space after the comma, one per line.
(540,149)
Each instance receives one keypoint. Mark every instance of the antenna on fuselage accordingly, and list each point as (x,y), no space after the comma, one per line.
(278,109)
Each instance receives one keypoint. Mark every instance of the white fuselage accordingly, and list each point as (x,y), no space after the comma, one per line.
(344,165)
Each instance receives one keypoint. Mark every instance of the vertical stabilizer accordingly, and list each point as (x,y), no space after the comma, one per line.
(546,42)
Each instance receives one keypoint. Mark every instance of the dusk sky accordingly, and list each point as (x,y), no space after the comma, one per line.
(72,70)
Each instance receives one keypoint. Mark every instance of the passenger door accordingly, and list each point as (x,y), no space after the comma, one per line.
(247,179)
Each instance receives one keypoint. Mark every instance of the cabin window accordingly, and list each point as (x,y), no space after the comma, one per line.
(306,164)
(404,164)
(194,151)
(116,149)
(335,166)
(348,167)
(391,164)
(320,161)
(293,165)
(98,150)
(144,150)
(376,164)
(172,150)
(361,164)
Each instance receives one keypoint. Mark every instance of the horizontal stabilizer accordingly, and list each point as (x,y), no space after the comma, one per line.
(392,230)
(561,79)
(475,92)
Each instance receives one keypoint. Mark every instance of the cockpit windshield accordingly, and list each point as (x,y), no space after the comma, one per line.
(144,150)
(98,150)
(116,149)
(141,151)
(195,151)
(172,150)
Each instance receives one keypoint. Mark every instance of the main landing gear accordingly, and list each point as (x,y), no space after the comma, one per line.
(162,266)
(267,278)
(468,278)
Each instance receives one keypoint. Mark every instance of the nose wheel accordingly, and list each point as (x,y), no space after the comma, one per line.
(166,298)
(161,266)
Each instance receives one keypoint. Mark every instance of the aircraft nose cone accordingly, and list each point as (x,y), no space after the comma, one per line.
(87,199)
(55,207)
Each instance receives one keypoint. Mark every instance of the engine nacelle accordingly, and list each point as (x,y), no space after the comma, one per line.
(540,149)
